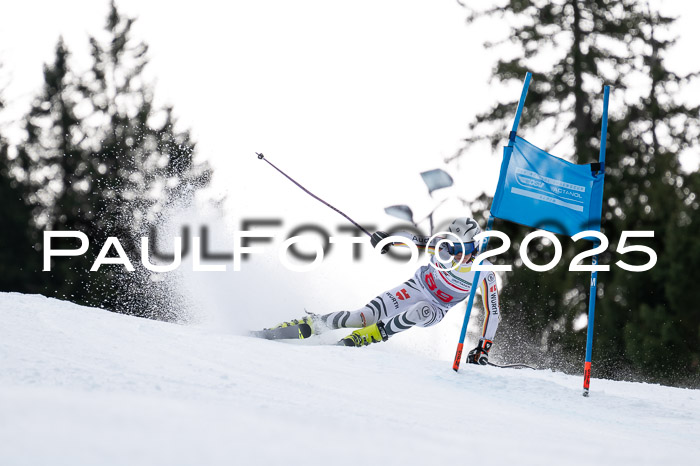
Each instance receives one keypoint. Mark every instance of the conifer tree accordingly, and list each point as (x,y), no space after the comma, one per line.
(144,163)
(139,147)
(646,313)
(18,263)
(104,160)
(58,178)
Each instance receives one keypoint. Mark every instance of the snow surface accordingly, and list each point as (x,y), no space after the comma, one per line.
(86,386)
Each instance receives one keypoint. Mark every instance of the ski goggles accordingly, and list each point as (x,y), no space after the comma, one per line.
(460,248)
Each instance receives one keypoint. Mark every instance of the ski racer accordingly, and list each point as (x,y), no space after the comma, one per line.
(421,301)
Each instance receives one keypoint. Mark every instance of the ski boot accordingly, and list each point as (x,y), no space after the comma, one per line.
(294,329)
(364,336)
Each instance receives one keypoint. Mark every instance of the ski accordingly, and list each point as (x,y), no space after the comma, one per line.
(511,366)
(292,332)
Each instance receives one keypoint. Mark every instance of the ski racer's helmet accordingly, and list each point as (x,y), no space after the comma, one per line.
(464,228)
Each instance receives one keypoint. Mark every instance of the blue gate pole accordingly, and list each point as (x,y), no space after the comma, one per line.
(470,302)
(591,319)
(594,274)
(477,274)
(519,111)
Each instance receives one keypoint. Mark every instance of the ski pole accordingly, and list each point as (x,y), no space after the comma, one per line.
(262,157)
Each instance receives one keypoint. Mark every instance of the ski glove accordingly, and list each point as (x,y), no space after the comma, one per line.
(376,237)
(480,354)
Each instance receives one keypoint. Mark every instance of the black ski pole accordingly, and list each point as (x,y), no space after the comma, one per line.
(262,157)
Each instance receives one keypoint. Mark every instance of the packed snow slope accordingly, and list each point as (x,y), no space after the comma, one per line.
(82,386)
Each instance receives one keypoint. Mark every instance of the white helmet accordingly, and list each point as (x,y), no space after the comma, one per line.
(465,229)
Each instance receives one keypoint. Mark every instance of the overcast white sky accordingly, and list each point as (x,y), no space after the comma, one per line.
(353,99)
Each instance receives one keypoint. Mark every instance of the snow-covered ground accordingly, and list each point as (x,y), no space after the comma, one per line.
(81,386)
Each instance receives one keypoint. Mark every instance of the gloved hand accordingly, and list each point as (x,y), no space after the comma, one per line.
(376,237)
(480,354)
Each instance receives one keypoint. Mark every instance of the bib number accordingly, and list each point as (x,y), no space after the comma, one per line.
(430,281)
